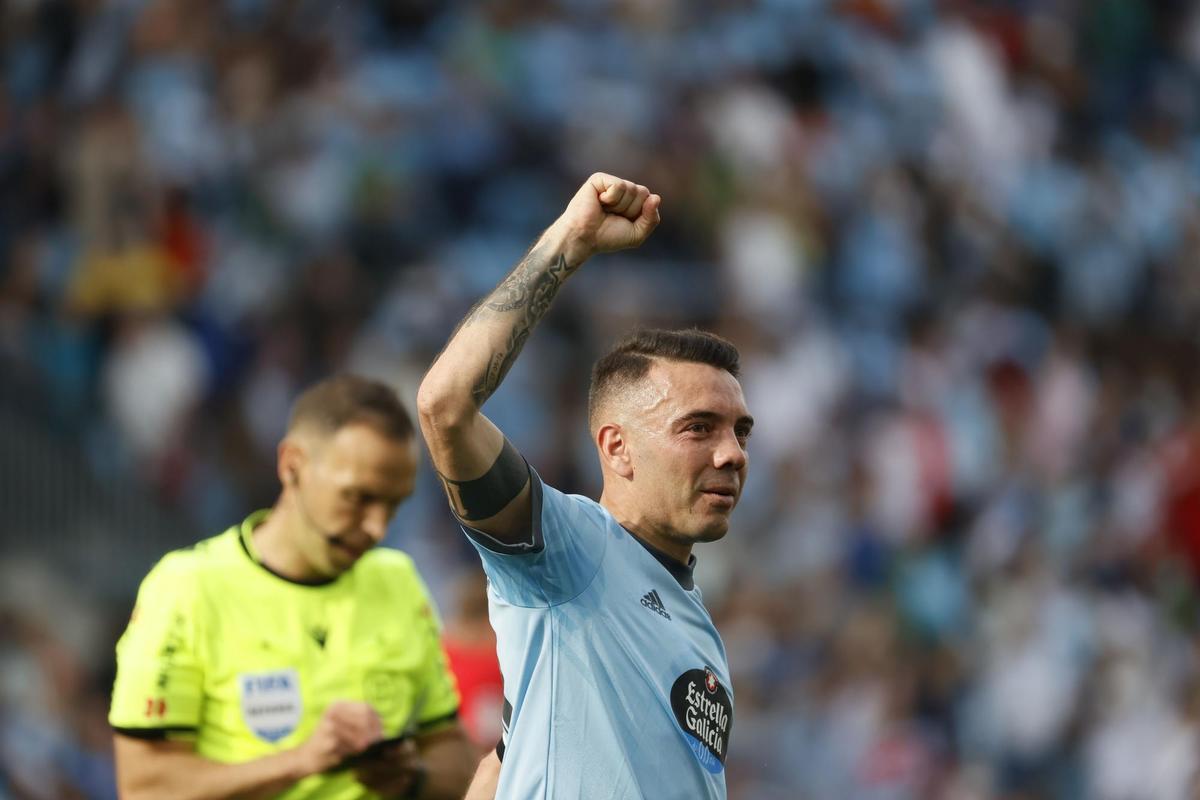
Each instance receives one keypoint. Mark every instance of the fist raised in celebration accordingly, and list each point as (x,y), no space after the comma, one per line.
(609,213)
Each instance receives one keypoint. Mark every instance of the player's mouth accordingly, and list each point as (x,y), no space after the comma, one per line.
(722,496)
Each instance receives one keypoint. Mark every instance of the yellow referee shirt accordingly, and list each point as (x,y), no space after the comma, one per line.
(224,652)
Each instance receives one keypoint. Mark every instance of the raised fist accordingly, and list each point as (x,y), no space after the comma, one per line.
(609,213)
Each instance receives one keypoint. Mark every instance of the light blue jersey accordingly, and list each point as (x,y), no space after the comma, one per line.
(615,674)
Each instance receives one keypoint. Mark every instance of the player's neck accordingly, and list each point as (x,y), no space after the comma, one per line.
(643,529)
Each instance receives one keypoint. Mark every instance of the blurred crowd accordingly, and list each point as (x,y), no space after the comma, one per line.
(958,244)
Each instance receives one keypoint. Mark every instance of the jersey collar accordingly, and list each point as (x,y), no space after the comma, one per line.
(246,538)
(682,573)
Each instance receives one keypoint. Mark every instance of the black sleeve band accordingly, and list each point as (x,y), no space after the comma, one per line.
(487,495)
(530,542)
(151,734)
(500,750)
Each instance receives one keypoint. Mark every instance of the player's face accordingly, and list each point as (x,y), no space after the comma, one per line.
(349,489)
(688,446)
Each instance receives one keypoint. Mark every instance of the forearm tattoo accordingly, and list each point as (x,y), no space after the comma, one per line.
(528,290)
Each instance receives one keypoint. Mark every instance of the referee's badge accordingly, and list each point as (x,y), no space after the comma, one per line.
(271,703)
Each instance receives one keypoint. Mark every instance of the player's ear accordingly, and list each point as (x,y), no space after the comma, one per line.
(614,449)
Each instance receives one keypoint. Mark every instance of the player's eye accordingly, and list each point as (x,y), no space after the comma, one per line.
(697,427)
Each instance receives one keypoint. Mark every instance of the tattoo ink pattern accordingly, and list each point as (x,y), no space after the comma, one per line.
(528,290)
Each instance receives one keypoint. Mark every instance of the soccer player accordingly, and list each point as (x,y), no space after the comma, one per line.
(616,681)
(286,657)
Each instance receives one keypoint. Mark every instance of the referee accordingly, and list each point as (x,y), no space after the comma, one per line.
(616,682)
(286,657)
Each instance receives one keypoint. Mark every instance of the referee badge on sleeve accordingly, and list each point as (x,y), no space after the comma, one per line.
(271,703)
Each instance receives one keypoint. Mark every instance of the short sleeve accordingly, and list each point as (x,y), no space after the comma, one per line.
(565,552)
(437,689)
(159,682)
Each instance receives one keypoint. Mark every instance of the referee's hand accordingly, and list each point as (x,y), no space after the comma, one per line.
(395,771)
(346,728)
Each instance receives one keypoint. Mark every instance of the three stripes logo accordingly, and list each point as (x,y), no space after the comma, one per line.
(652,601)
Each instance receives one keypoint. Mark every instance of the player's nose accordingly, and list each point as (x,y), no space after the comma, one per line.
(729,453)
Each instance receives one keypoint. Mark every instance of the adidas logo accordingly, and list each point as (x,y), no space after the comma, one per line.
(652,601)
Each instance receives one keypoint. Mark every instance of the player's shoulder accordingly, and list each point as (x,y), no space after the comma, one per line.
(573,509)
(547,494)
(585,504)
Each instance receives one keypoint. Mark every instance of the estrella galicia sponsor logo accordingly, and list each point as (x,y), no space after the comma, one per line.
(704,712)
(271,703)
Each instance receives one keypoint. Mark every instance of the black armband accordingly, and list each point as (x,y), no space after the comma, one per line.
(488,494)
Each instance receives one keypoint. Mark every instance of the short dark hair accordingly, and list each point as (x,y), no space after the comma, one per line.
(341,400)
(630,359)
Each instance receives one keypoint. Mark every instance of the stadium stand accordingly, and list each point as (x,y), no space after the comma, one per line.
(957,243)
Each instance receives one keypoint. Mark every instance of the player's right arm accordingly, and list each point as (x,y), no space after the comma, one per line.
(171,770)
(486,480)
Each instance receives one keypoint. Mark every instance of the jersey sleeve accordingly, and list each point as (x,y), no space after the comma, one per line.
(563,554)
(437,689)
(159,682)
